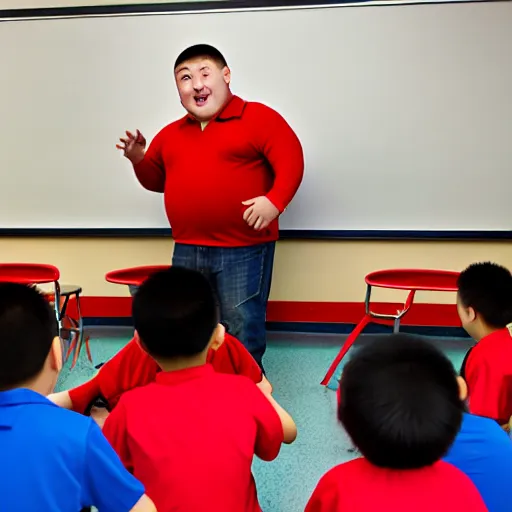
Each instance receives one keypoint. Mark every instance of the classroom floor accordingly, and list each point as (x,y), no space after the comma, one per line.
(295,364)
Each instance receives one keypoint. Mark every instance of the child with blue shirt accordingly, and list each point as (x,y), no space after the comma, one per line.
(52,459)
(483,451)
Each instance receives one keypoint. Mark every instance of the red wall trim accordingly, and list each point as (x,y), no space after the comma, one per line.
(438,315)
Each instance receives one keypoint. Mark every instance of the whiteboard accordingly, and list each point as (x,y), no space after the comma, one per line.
(404,112)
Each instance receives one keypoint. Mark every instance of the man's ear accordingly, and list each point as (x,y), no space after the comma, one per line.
(218,337)
(56,354)
(463,389)
(226,74)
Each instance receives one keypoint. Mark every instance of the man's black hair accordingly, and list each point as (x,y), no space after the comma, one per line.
(175,313)
(400,402)
(28,326)
(487,288)
(201,50)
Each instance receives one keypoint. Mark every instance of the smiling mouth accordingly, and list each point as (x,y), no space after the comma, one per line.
(201,99)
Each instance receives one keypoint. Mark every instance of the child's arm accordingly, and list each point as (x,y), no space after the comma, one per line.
(79,398)
(274,424)
(131,367)
(265,386)
(61,399)
(144,505)
(289,426)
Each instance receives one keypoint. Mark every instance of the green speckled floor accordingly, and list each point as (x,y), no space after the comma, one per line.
(295,364)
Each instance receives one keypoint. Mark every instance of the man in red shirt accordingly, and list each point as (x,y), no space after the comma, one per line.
(484,303)
(133,367)
(400,402)
(227,170)
(190,437)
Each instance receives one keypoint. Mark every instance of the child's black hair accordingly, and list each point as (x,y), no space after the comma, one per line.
(175,313)
(487,288)
(28,326)
(201,50)
(400,402)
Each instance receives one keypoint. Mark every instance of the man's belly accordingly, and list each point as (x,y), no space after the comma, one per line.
(212,214)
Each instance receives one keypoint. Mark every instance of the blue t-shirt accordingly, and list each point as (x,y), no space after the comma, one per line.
(483,451)
(52,459)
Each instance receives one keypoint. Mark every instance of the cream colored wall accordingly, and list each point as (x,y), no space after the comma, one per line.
(304,270)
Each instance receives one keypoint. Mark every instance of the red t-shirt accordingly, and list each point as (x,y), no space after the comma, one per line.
(358,486)
(132,367)
(487,370)
(247,151)
(190,438)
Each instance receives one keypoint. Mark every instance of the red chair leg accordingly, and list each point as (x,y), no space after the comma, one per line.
(88,348)
(71,347)
(345,348)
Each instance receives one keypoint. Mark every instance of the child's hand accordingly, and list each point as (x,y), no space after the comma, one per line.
(61,399)
(99,415)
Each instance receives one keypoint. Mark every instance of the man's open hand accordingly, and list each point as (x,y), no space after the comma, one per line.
(260,212)
(133,146)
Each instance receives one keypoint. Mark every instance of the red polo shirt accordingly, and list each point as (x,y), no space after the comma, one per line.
(131,367)
(190,438)
(358,486)
(487,370)
(247,150)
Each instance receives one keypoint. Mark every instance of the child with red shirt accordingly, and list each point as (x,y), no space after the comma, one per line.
(191,435)
(133,367)
(484,304)
(400,403)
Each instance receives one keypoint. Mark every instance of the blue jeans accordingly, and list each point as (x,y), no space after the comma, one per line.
(241,277)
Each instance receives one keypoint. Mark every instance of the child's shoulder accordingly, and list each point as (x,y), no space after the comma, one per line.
(57,427)
(355,468)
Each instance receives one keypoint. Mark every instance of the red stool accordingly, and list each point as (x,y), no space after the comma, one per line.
(38,273)
(133,276)
(411,280)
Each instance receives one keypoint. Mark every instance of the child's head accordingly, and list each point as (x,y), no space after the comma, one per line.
(484,298)
(30,348)
(176,316)
(401,402)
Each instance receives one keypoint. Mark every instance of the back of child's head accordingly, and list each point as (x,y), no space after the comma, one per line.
(28,327)
(400,402)
(175,313)
(487,288)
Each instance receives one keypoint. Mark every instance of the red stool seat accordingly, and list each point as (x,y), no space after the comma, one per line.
(411,280)
(414,279)
(133,276)
(28,273)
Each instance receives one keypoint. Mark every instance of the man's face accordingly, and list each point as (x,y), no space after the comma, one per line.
(203,87)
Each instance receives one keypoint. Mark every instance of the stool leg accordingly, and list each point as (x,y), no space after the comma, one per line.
(345,348)
(79,341)
(81,327)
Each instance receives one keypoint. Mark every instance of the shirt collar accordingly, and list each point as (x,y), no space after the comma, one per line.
(22,396)
(233,109)
(178,376)
(18,397)
(501,333)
